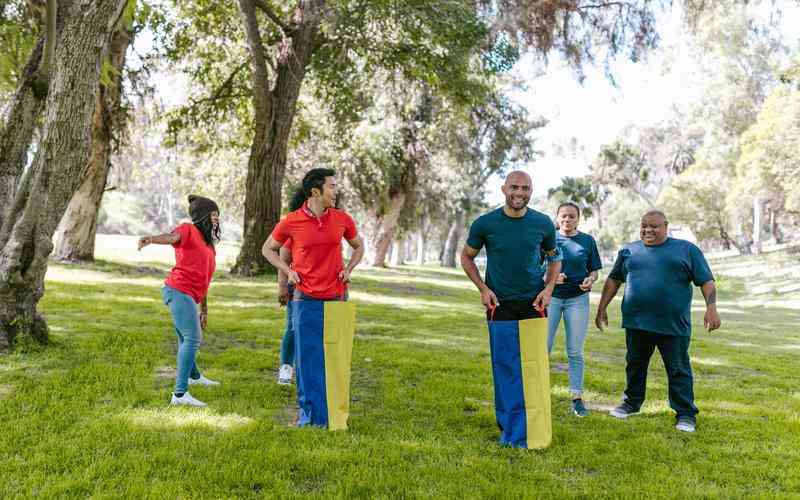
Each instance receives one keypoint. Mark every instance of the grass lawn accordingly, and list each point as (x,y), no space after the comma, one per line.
(88,415)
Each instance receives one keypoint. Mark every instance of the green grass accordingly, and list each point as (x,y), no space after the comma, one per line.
(87,416)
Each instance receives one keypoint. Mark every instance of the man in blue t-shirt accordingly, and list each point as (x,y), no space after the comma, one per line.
(515,238)
(658,273)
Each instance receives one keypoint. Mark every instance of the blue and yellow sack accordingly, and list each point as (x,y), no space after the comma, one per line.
(324,333)
(521,373)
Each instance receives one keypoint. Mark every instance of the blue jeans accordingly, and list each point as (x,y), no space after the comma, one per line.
(576,322)
(287,344)
(187,327)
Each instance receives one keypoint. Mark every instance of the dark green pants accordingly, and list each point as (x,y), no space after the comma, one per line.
(674,351)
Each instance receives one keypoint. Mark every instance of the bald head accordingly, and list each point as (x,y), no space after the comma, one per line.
(655,213)
(517,189)
(653,230)
(518,177)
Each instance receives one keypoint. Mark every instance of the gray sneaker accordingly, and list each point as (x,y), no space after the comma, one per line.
(686,424)
(623,411)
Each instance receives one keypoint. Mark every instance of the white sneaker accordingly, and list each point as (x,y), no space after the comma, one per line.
(202,381)
(685,425)
(285,375)
(186,400)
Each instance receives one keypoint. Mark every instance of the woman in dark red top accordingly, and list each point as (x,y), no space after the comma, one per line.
(186,287)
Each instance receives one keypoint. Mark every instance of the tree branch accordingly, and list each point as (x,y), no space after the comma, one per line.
(602,5)
(261,4)
(228,82)
(50,38)
(258,55)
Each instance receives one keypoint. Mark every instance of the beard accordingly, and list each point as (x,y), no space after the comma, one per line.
(516,203)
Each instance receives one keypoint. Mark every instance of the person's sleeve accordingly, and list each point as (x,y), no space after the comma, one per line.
(287,244)
(281,231)
(701,273)
(184,230)
(550,248)
(350,230)
(595,264)
(618,272)
(476,238)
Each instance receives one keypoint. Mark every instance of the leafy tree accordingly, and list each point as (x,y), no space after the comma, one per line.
(644,160)
(582,191)
(76,233)
(696,198)
(476,143)
(741,55)
(161,175)
(768,167)
(48,184)
(335,43)
(621,219)
(338,45)
(20,24)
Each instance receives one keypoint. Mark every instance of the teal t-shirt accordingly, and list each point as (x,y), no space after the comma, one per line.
(658,285)
(513,251)
(580,257)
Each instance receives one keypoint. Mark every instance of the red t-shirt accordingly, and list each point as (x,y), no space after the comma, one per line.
(195,262)
(316,246)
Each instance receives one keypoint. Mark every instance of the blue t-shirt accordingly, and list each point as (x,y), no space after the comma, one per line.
(580,257)
(658,285)
(513,249)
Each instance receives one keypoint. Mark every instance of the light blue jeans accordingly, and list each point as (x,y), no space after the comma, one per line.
(187,327)
(575,311)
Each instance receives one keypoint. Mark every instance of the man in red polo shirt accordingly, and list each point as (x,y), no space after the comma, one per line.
(318,273)
(316,230)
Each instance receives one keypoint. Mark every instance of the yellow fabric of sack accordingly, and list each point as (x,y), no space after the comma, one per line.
(536,381)
(339,330)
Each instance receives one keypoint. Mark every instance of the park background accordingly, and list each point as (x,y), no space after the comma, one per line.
(422,107)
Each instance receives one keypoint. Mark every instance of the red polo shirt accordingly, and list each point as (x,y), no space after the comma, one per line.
(195,262)
(316,246)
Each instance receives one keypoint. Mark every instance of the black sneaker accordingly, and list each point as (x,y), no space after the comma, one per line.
(623,411)
(579,409)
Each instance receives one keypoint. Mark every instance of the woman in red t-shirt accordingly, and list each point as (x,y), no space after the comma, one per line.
(186,286)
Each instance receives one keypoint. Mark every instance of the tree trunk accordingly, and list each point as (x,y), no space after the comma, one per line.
(454,237)
(47,186)
(443,237)
(386,229)
(757,214)
(775,227)
(598,214)
(727,242)
(275,107)
(17,132)
(422,244)
(75,235)
(399,252)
